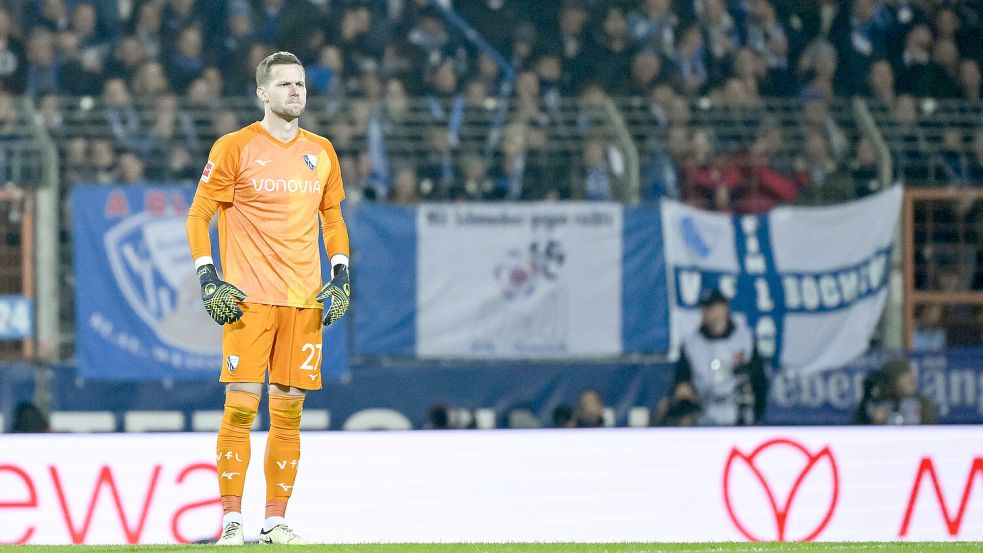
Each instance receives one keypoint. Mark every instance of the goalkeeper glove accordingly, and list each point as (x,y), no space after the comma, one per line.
(220,298)
(338,292)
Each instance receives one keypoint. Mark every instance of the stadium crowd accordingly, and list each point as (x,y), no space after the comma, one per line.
(138,89)
(731,105)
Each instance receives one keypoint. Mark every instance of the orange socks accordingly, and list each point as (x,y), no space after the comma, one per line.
(232,449)
(282,451)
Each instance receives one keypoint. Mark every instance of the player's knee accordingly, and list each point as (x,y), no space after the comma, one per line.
(241,408)
(286,408)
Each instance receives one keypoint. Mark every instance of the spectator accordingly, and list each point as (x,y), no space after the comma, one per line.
(122,116)
(596,174)
(572,39)
(239,33)
(51,116)
(93,47)
(147,29)
(880,85)
(181,166)
(28,418)
(186,62)
(103,161)
(510,172)
(563,417)
(326,76)
(907,140)
(929,334)
(12,60)
(679,411)
(952,164)
(654,25)
(590,410)
(126,59)
(859,39)
(475,184)
(945,58)
(405,189)
(439,417)
(523,45)
(719,367)
(78,166)
(864,170)
(646,71)
(11,127)
(969,80)
(721,37)
(445,102)
(225,122)
(150,81)
(661,172)
(917,74)
(822,180)
(614,47)
(478,119)
(43,71)
(53,16)
(691,62)
(767,38)
(78,75)
(891,397)
(818,69)
(706,182)
(761,185)
(129,168)
(816,117)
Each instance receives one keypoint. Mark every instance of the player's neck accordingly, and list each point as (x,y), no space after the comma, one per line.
(280,128)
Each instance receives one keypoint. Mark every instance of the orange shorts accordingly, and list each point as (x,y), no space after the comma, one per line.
(287,340)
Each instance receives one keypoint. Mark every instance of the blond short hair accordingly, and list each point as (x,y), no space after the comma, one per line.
(276,58)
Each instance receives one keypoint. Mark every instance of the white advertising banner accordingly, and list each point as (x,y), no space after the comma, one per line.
(518,280)
(869,484)
(811,282)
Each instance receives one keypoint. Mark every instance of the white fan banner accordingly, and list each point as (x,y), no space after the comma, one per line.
(519,280)
(811,282)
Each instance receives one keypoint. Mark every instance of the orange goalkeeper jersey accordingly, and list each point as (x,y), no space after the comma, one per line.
(270,193)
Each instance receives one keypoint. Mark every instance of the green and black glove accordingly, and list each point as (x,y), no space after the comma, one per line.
(338,292)
(221,299)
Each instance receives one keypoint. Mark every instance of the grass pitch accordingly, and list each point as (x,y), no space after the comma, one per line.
(907,547)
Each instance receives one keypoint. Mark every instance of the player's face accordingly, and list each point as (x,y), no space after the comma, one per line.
(286,93)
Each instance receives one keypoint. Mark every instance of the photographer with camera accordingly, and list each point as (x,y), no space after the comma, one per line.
(891,397)
(719,370)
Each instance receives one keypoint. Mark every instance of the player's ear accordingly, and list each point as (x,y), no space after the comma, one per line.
(261,93)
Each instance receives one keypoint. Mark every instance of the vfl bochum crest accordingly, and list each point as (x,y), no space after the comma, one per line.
(810,282)
(311,161)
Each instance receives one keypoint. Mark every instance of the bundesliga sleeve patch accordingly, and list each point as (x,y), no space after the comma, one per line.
(207,172)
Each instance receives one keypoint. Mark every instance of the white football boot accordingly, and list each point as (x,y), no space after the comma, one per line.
(231,534)
(281,534)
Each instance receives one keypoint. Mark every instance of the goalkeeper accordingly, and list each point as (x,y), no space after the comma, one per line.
(269,182)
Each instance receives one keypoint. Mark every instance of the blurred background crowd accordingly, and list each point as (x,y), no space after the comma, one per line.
(733,105)
(728,105)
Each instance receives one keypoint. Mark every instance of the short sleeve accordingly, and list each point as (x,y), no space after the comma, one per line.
(334,189)
(217,180)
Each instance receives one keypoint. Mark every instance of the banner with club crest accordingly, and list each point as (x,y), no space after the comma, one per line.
(138,308)
(811,282)
(519,281)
